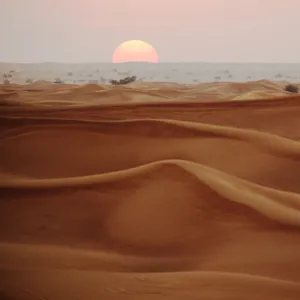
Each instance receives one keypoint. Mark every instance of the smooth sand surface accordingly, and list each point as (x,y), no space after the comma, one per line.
(149,191)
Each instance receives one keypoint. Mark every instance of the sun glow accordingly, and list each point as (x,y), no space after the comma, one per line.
(135,51)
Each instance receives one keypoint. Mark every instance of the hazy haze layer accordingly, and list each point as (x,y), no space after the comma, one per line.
(191,30)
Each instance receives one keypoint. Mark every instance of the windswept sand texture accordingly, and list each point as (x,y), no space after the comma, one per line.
(149,191)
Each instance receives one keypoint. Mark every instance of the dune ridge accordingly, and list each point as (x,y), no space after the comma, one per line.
(226,186)
(135,197)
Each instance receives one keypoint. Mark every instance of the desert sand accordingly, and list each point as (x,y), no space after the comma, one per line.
(149,191)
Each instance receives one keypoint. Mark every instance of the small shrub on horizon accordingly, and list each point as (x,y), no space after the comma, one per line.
(126,80)
(291,88)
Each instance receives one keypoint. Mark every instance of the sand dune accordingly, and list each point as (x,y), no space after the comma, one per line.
(41,93)
(149,191)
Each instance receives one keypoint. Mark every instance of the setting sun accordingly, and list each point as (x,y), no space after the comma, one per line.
(135,51)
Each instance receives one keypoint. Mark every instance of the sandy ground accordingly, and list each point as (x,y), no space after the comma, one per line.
(138,193)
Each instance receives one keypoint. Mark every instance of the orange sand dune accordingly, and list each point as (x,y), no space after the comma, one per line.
(44,94)
(149,191)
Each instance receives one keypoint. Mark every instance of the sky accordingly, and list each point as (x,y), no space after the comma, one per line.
(74,31)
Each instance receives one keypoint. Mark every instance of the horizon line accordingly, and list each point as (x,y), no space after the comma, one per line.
(162,62)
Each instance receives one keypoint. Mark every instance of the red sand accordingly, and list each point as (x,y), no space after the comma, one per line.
(185,200)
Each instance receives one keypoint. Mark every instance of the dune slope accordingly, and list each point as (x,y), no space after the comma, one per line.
(149,200)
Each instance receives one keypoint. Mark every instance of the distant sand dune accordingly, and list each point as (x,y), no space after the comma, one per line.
(142,92)
(143,192)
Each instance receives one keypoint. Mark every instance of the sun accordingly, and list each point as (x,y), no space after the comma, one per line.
(135,51)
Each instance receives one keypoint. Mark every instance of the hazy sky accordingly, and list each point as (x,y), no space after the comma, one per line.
(180,30)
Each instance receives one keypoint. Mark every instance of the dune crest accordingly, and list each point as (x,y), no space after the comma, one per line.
(149,191)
